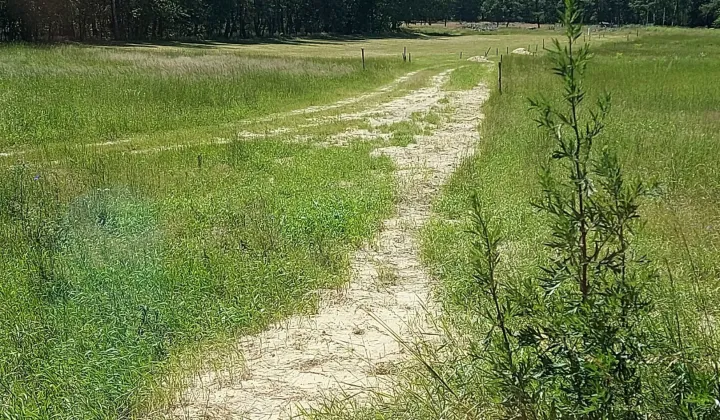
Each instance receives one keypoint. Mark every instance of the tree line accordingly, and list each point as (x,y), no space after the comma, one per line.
(83,20)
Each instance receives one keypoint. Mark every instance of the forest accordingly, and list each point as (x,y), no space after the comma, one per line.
(103,20)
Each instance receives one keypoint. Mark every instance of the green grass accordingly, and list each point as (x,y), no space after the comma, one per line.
(666,129)
(99,288)
(466,77)
(122,264)
(80,95)
(663,125)
(402,133)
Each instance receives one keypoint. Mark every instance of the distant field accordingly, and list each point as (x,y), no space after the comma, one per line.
(85,95)
(80,95)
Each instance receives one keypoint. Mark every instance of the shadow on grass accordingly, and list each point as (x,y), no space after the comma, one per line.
(311,39)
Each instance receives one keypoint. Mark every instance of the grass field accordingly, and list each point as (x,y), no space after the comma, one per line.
(663,124)
(666,129)
(83,95)
(115,261)
(139,226)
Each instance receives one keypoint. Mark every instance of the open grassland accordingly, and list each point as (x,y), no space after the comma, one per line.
(56,97)
(666,128)
(81,95)
(159,200)
(117,262)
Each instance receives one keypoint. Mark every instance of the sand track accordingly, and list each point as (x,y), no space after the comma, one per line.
(343,348)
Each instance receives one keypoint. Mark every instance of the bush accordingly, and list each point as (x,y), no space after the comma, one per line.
(580,340)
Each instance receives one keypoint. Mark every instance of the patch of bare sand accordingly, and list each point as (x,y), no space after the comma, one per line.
(521,51)
(344,102)
(479,59)
(420,101)
(344,348)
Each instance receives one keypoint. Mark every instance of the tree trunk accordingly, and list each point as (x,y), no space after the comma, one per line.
(115,27)
(226,32)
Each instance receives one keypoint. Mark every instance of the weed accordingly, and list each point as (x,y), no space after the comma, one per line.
(387,276)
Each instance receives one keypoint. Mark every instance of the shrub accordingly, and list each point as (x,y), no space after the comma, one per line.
(580,340)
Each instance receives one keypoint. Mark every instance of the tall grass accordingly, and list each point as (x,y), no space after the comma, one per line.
(115,265)
(661,128)
(81,95)
(112,264)
(662,125)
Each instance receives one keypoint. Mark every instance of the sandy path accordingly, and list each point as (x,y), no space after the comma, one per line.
(343,348)
(349,101)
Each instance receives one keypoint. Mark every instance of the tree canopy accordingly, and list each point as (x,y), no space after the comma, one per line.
(48,20)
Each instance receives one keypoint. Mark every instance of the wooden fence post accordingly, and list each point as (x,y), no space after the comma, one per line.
(363,57)
(500,77)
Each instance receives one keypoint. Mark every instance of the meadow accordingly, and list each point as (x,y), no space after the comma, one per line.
(665,128)
(79,95)
(141,227)
(112,261)
(663,123)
